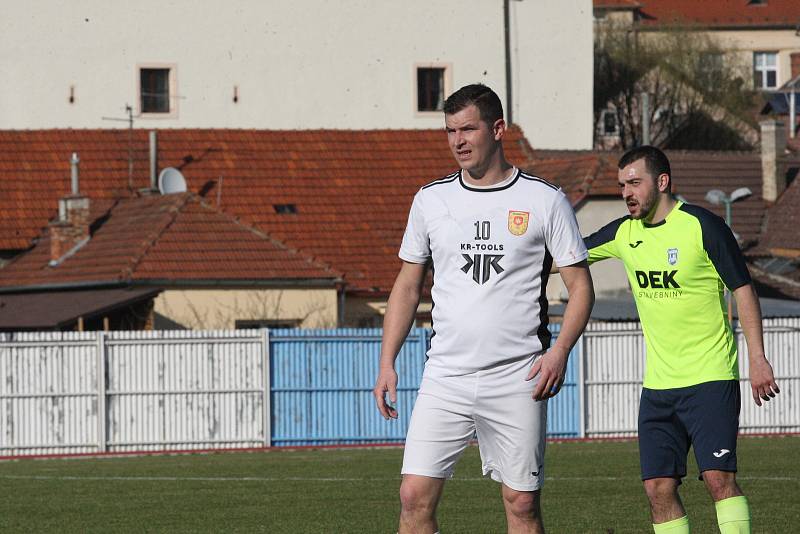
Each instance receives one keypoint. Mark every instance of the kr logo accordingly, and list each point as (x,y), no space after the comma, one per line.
(721,453)
(482,265)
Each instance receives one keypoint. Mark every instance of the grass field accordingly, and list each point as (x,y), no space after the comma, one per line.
(590,487)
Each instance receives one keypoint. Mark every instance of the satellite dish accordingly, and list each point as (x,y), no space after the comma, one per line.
(170,180)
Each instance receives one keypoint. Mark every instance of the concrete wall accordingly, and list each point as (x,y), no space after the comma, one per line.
(346,64)
(206,309)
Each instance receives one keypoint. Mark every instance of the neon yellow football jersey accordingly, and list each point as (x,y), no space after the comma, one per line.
(677,270)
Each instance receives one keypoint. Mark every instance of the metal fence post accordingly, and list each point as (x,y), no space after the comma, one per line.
(265,359)
(102,410)
(582,385)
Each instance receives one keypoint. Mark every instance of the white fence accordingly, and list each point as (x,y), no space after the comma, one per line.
(159,391)
(66,393)
(612,366)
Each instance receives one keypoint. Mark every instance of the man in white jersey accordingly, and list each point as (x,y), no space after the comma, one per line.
(490,232)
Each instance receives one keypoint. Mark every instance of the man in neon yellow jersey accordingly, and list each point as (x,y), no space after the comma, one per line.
(679,258)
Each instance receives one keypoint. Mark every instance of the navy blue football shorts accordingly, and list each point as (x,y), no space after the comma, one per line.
(704,417)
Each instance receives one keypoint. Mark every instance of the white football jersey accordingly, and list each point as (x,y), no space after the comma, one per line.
(491,250)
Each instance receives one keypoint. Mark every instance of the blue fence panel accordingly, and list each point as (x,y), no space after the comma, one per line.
(563,410)
(322,380)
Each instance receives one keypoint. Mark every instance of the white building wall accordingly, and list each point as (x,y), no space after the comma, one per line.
(344,64)
(554,71)
(608,276)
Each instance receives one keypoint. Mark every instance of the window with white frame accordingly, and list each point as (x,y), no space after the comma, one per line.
(157,90)
(765,70)
(432,85)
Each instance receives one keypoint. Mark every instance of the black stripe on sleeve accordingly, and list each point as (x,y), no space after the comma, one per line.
(604,234)
(721,247)
(544,333)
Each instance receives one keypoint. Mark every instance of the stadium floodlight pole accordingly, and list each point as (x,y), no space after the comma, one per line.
(717,197)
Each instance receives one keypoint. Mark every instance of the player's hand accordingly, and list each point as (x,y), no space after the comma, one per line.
(386,383)
(762,381)
(551,369)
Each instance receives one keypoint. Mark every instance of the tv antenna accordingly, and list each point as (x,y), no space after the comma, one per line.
(129,120)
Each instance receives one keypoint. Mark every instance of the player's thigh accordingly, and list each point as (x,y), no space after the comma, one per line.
(711,415)
(511,427)
(663,440)
(440,428)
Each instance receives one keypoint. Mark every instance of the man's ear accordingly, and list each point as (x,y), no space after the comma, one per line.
(664,182)
(499,129)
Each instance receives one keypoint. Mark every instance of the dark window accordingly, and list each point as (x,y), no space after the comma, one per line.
(154,90)
(609,123)
(430,89)
(285,208)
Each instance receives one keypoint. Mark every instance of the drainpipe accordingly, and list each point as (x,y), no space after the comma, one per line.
(507,37)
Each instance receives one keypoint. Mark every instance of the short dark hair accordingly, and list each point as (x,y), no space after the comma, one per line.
(478,95)
(655,161)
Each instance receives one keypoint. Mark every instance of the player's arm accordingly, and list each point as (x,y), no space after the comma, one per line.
(726,256)
(564,241)
(601,244)
(762,380)
(400,312)
(553,364)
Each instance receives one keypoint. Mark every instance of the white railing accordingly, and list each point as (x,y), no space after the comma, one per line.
(158,391)
(70,392)
(612,360)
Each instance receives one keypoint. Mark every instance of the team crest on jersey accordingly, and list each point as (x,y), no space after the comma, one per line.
(672,256)
(518,222)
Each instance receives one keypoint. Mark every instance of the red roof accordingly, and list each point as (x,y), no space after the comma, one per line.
(713,13)
(165,239)
(351,190)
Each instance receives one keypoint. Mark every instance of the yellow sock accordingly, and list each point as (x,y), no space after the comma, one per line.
(676,526)
(733,515)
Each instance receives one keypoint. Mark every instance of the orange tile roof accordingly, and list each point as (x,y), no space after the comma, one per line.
(712,13)
(166,239)
(351,189)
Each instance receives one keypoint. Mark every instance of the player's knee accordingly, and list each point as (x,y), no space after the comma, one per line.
(660,490)
(523,504)
(721,485)
(417,499)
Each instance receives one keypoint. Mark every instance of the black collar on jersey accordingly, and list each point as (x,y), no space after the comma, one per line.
(487,189)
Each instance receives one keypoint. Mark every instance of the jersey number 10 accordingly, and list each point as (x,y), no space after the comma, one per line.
(482,230)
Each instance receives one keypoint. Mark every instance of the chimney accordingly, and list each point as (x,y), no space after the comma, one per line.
(71,230)
(153,161)
(773,145)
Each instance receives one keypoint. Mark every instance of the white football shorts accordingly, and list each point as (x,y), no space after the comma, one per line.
(497,406)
